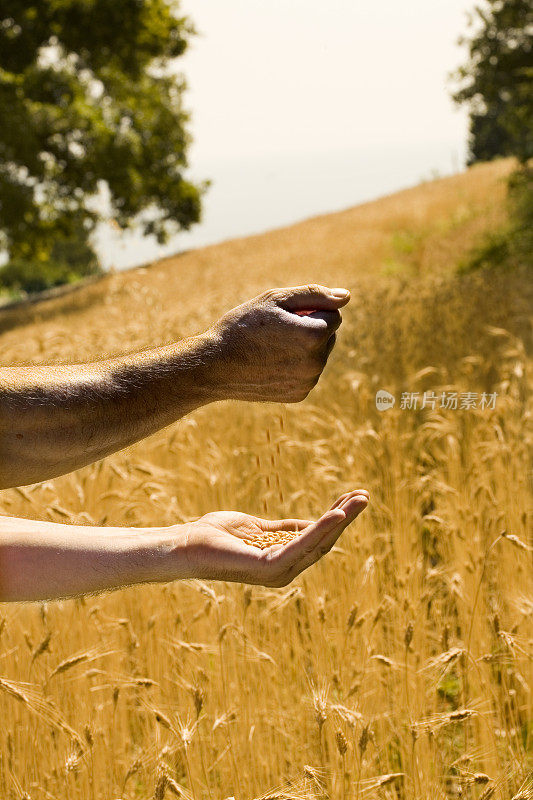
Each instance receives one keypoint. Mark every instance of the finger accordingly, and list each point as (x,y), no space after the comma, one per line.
(351,508)
(330,344)
(341,500)
(285,524)
(306,549)
(301,524)
(326,322)
(312,296)
(304,544)
(320,326)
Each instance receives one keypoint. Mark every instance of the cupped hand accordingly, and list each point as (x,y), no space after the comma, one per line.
(217,548)
(275,346)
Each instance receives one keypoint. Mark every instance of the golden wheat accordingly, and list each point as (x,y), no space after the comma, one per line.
(400,666)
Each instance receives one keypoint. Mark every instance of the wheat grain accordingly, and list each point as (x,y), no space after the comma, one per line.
(269,538)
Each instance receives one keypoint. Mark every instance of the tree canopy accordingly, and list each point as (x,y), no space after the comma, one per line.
(496,81)
(89,93)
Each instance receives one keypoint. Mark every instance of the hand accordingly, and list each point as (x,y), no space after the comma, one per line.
(216,545)
(275,346)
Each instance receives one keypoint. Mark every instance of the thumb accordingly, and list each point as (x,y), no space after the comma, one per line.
(312,297)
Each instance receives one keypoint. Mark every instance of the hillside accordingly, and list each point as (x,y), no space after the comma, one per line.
(419,231)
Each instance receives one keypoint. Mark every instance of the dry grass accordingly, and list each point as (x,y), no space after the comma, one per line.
(398,667)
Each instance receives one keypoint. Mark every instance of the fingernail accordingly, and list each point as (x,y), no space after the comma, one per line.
(339,292)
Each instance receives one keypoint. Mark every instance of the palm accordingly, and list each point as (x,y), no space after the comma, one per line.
(220,543)
(238,529)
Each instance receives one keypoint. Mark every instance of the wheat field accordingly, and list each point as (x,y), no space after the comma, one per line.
(400,666)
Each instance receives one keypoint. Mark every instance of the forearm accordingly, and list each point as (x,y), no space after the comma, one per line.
(55,419)
(45,560)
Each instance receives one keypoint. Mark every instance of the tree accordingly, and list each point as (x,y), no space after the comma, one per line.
(495,83)
(89,95)
(496,86)
(69,260)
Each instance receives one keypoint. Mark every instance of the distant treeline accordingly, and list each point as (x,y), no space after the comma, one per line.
(496,84)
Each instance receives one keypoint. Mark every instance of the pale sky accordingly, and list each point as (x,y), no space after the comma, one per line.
(270,76)
(301,107)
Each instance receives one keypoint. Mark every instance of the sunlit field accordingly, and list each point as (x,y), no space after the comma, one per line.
(399,666)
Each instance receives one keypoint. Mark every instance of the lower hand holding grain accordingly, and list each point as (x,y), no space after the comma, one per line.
(230,546)
(47,560)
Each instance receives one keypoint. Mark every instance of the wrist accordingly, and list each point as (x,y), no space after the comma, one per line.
(160,555)
(192,369)
(231,374)
(207,353)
